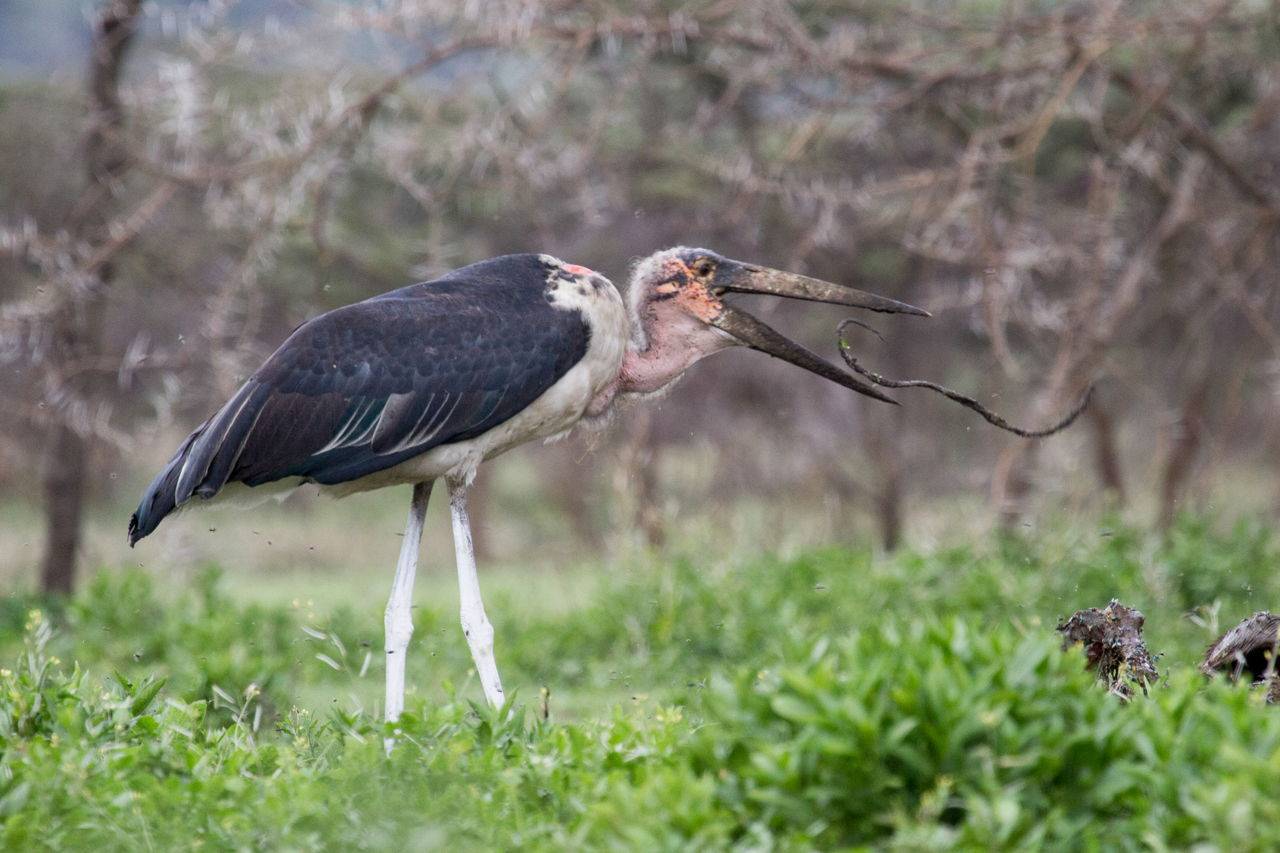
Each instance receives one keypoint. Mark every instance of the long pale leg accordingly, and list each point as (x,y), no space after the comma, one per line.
(398,621)
(475,625)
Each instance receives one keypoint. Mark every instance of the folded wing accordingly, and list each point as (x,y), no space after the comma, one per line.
(365,387)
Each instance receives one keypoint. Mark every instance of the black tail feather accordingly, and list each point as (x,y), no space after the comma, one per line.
(160,497)
(203,463)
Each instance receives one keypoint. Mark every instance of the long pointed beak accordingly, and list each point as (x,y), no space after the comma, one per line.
(755,334)
(738,277)
(749,278)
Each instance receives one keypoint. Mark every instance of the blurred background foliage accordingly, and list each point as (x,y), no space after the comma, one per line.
(1078,191)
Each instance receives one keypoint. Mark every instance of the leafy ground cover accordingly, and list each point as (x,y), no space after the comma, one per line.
(832,700)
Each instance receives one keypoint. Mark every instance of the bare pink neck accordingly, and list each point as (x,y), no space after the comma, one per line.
(647,371)
(670,349)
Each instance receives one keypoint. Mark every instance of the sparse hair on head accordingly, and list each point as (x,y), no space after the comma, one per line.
(645,270)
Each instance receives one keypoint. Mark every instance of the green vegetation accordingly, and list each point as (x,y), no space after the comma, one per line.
(832,700)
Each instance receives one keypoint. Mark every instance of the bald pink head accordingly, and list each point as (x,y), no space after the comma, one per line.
(679,316)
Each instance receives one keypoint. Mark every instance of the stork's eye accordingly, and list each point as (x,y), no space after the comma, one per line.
(703,267)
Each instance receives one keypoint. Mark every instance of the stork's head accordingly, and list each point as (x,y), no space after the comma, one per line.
(680,302)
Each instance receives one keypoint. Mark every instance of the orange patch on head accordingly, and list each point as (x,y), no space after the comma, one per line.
(700,302)
(577,269)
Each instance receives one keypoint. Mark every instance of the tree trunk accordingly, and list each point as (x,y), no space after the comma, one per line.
(1011,483)
(637,478)
(1182,453)
(884,445)
(889,508)
(64,506)
(1106,454)
(571,489)
(77,325)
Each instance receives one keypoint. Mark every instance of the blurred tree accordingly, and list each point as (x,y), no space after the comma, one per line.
(1076,190)
(75,319)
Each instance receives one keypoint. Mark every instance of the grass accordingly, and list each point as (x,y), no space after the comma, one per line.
(833,699)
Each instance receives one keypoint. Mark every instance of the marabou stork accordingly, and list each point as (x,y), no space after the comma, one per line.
(430,380)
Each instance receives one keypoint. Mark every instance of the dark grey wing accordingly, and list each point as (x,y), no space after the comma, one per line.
(365,387)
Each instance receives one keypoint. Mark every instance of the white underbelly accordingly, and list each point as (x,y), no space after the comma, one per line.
(558,409)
